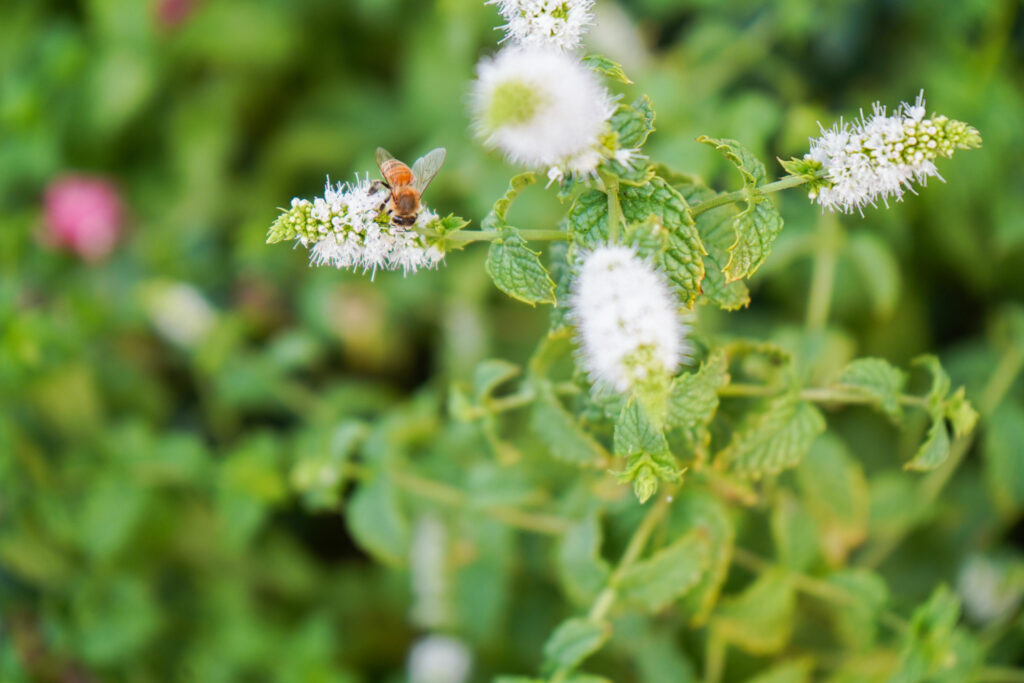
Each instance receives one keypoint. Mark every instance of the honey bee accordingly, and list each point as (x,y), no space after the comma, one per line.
(406,185)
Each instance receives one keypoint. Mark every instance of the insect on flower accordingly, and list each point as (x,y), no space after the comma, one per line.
(406,185)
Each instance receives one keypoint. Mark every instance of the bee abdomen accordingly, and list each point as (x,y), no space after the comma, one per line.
(396,173)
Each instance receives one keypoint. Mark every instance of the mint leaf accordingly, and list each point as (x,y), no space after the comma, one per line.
(760,619)
(774,438)
(559,429)
(693,397)
(582,570)
(607,67)
(715,229)
(499,213)
(376,520)
(835,490)
(648,459)
(756,228)
(749,166)
(634,123)
(855,621)
(935,449)
(517,271)
(698,509)
(878,379)
(682,259)
(573,641)
(667,574)
(489,375)
(1004,468)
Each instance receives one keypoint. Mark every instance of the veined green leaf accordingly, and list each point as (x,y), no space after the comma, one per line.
(634,123)
(682,260)
(667,574)
(756,228)
(774,438)
(587,221)
(517,271)
(693,399)
(749,166)
(573,641)
(715,229)
(878,379)
(648,459)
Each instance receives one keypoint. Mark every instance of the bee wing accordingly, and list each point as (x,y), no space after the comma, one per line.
(382,156)
(426,167)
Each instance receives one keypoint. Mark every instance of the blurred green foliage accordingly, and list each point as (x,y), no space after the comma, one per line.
(171,510)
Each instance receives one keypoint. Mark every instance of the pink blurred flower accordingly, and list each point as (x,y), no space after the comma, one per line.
(83,214)
(171,13)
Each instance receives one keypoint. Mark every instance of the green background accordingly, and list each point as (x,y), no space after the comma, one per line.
(154,523)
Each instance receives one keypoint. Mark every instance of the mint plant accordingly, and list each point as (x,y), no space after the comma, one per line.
(685,444)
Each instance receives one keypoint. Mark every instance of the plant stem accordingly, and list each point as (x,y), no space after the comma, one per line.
(467,236)
(815,394)
(446,494)
(742,195)
(1002,378)
(823,279)
(813,586)
(606,598)
(615,215)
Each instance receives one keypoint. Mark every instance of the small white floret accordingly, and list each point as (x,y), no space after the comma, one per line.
(628,321)
(546,23)
(540,107)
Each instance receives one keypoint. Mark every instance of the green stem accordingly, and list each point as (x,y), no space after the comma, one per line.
(823,590)
(451,496)
(606,598)
(814,394)
(714,658)
(999,383)
(743,195)
(615,215)
(467,236)
(823,278)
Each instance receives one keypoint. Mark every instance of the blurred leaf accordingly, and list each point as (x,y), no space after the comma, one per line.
(834,487)
(489,375)
(559,429)
(855,620)
(792,671)
(795,533)
(878,269)
(698,509)
(774,438)
(573,641)
(694,396)
(668,574)
(376,520)
(1003,457)
(760,619)
(517,271)
(935,449)
(929,645)
(581,569)
(499,214)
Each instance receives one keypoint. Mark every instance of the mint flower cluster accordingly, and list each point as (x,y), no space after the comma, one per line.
(880,157)
(348,228)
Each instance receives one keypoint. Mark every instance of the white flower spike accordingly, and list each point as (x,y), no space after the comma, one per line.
(627,319)
(541,108)
(546,23)
(881,156)
(347,229)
